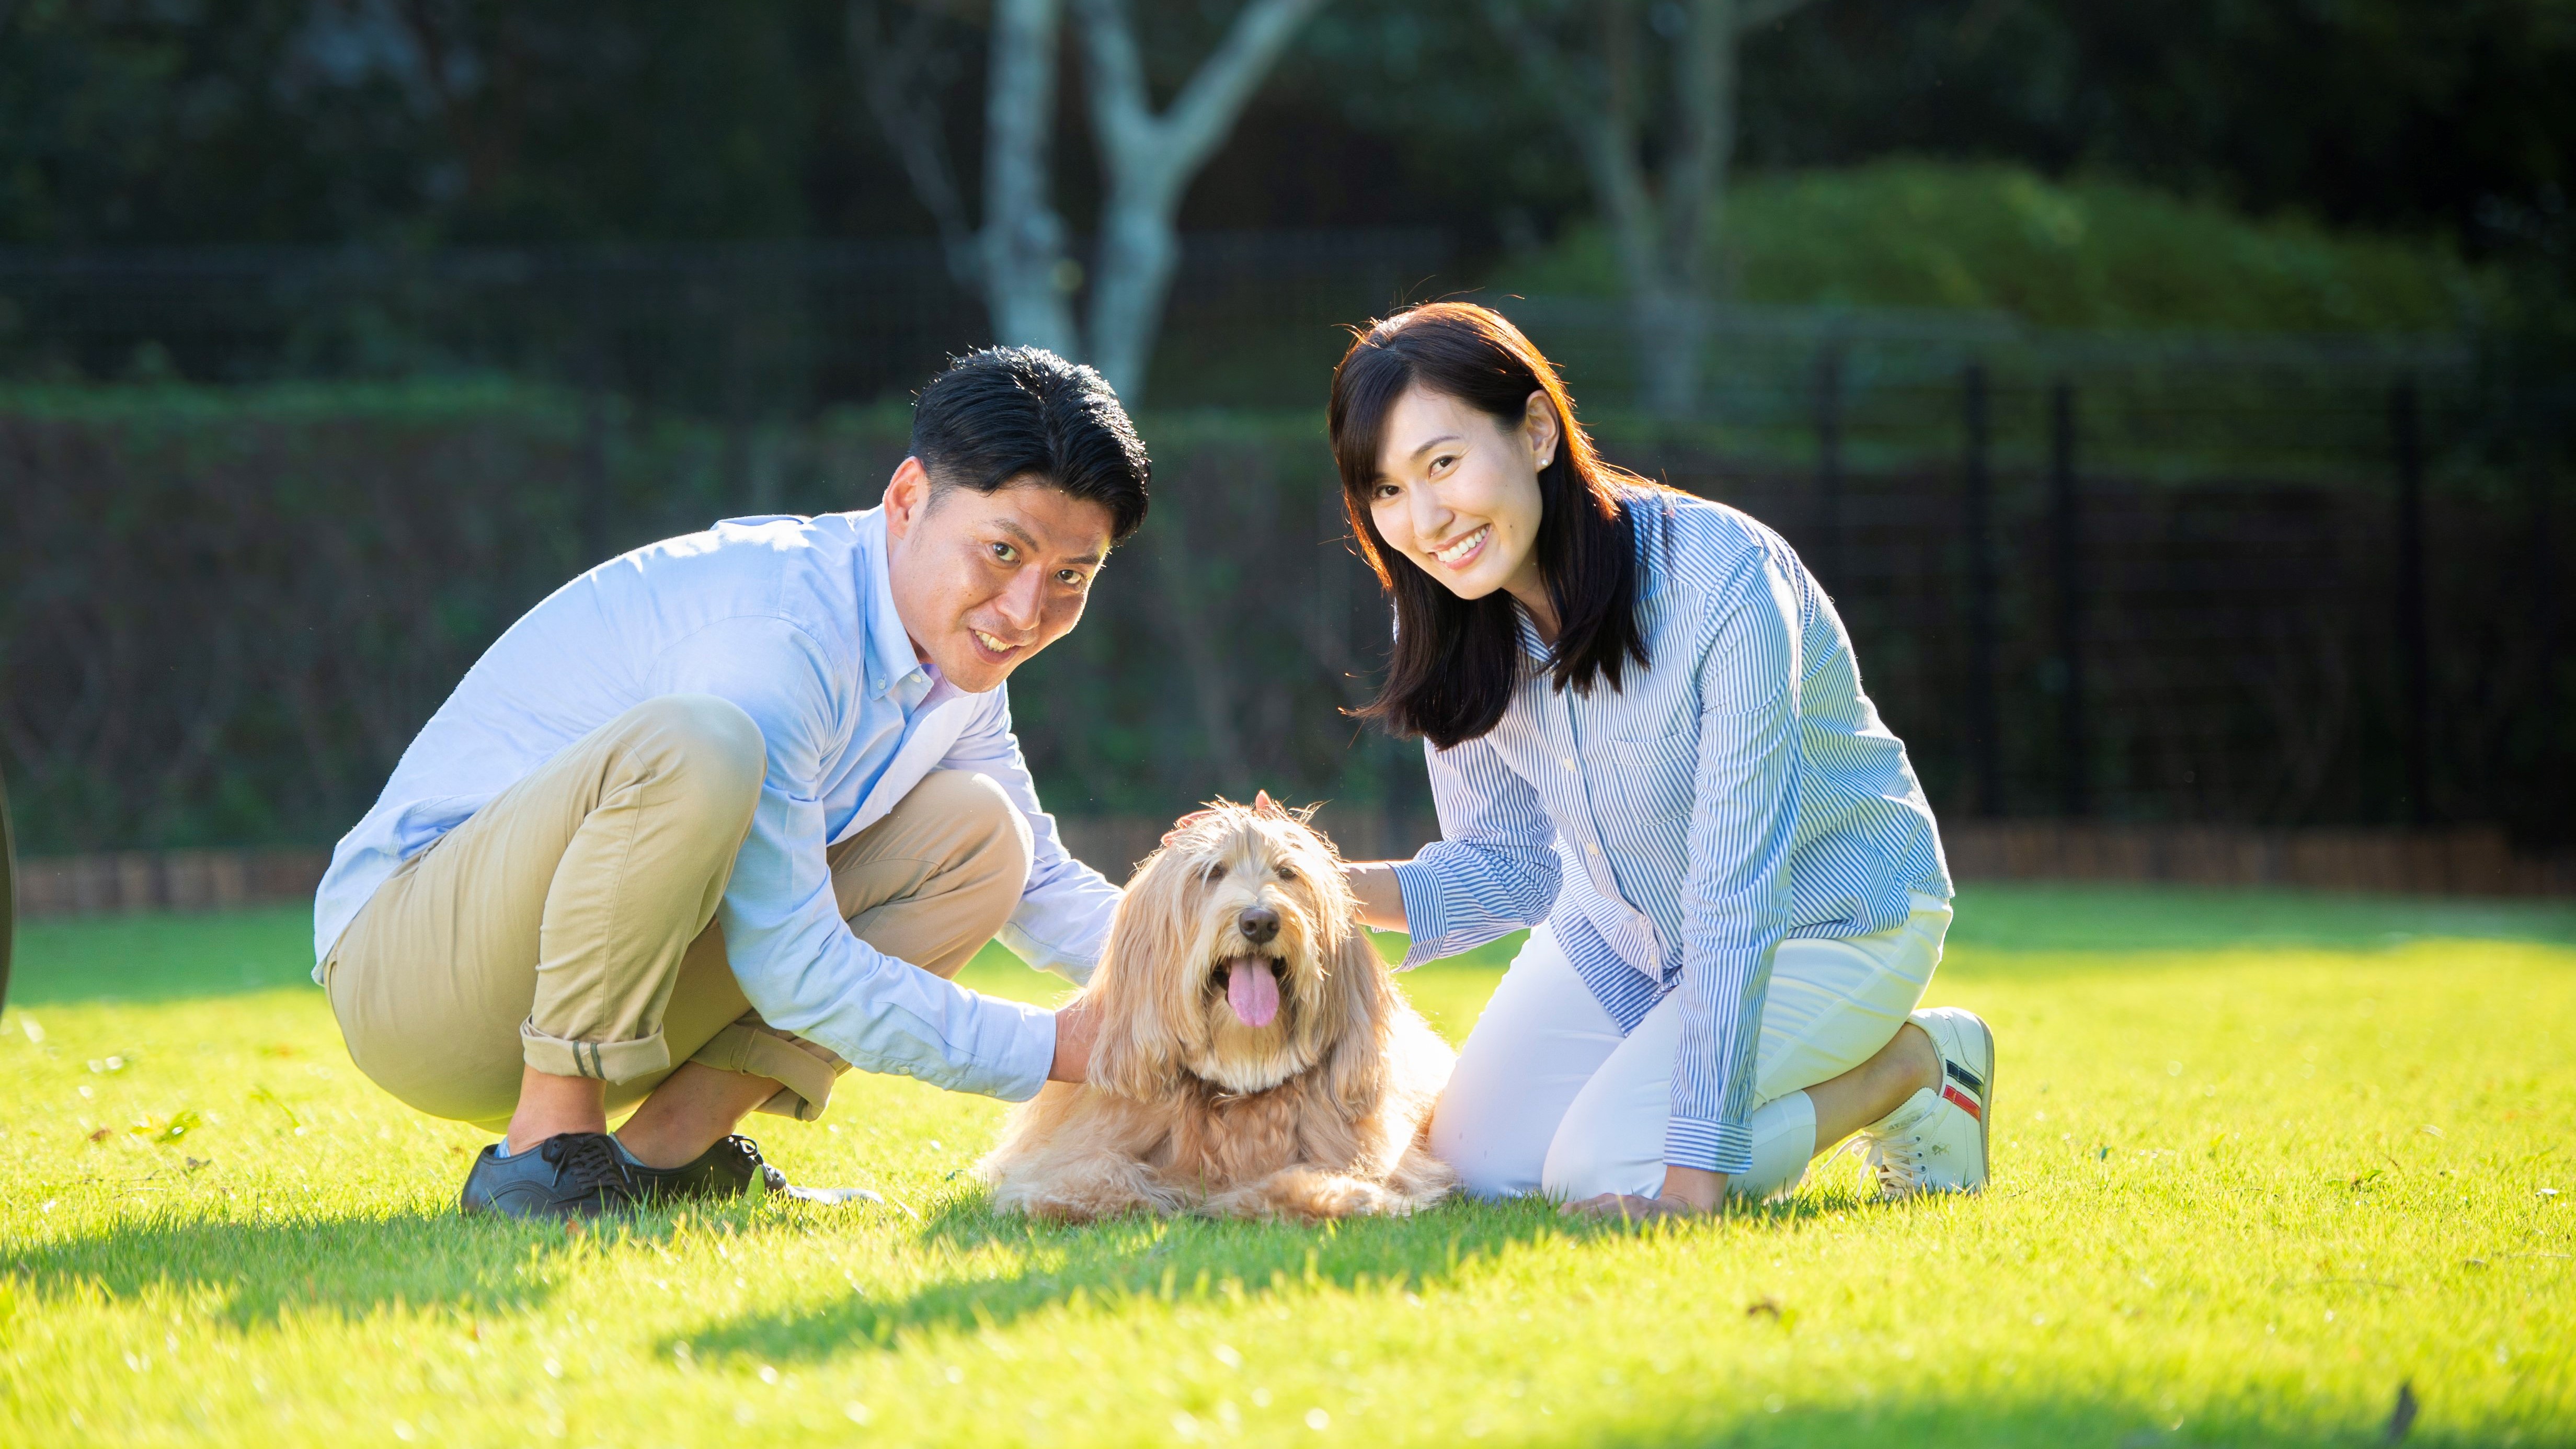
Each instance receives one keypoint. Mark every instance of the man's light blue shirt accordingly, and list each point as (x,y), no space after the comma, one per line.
(1740,790)
(792,619)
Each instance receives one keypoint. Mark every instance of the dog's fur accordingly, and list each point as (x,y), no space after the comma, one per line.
(1321,1113)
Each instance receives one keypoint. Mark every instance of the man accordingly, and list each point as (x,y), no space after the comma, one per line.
(718,819)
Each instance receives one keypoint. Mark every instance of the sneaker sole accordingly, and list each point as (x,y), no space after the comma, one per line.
(1986,1123)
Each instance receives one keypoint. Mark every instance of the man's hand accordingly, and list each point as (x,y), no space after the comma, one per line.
(1688,1192)
(1074,1029)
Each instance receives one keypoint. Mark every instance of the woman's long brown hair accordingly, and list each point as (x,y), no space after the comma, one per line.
(1456,661)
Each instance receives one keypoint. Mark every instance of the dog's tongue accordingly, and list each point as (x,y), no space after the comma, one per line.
(1252,990)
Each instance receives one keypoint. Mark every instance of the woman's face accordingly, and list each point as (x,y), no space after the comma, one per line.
(1457,491)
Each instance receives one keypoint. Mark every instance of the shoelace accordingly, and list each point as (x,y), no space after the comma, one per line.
(592,1163)
(1898,1161)
(755,1164)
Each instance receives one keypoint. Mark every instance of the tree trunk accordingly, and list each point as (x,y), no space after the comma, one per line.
(1149,160)
(1669,324)
(1139,251)
(1023,239)
(1658,230)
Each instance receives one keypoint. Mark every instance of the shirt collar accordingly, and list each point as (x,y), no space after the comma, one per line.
(890,657)
(1531,644)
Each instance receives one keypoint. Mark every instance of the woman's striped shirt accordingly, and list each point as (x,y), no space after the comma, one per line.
(1739,790)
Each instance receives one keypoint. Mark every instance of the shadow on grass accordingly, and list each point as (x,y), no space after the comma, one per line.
(1009,1267)
(349,1266)
(2045,1416)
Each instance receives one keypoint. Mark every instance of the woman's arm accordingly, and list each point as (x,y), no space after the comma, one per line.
(1742,814)
(1381,896)
(1492,872)
(1735,896)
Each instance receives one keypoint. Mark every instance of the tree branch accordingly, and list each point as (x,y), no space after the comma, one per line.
(1755,14)
(1602,126)
(1179,140)
(891,69)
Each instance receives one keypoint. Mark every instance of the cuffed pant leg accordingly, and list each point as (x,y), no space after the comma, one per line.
(930,884)
(1540,1038)
(1834,1003)
(547,930)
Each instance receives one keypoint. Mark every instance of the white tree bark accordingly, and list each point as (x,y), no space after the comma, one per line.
(1149,160)
(1027,279)
(1019,258)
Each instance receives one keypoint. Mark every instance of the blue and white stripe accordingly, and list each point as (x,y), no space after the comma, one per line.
(1740,790)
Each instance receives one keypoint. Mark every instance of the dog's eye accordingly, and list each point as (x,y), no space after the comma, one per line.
(1287,872)
(1214,874)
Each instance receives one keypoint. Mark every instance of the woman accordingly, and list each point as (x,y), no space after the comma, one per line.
(1647,738)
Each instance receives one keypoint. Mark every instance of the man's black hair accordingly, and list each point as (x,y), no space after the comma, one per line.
(999,415)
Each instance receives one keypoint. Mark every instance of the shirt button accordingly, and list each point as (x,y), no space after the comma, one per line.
(1596,850)
(1569,762)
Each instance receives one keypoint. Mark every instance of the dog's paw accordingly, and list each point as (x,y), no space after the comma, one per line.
(1309,1195)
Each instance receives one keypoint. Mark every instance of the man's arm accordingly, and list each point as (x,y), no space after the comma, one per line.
(797,961)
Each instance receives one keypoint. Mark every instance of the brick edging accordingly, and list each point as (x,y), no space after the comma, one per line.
(2469,861)
(132,881)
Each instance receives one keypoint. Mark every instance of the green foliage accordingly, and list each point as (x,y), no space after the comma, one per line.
(2092,253)
(2243,1193)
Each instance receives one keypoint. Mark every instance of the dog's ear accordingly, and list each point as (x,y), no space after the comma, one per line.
(1184,823)
(1136,1052)
(1262,804)
(1356,1068)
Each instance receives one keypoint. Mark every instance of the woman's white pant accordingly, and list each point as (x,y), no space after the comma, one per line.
(1549,1097)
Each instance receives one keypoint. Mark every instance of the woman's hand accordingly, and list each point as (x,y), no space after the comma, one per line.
(1688,1192)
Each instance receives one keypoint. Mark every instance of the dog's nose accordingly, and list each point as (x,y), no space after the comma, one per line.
(1259,925)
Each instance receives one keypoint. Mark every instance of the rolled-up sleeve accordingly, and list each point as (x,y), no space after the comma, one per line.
(1063,917)
(796,959)
(1493,871)
(1736,896)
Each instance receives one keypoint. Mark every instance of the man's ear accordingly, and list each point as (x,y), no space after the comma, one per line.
(907,497)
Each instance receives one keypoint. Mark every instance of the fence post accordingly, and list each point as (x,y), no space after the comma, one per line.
(2545,606)
(8,893)
(1829,464)
(1985,761)
(2075,795)
(2414,683)
(591,514)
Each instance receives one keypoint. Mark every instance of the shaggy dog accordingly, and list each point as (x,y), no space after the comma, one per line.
(1253,1058)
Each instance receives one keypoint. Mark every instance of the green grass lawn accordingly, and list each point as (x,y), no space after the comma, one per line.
(2261,1159)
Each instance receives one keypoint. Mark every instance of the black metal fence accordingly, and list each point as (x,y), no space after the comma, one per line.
(2248,581)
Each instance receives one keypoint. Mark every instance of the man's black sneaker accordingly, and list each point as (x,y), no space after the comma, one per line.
(725,1170)
(574,1174)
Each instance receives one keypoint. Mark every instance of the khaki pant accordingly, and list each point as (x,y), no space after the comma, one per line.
(568,925)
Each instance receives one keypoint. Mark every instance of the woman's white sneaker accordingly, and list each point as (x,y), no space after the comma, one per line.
(1937,1141)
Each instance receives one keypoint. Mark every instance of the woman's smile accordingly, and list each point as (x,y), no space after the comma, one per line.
(1461,554)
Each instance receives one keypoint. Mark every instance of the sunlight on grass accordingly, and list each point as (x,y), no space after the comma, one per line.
(2262,1158)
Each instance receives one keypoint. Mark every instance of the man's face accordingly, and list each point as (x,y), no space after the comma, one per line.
(982,581)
